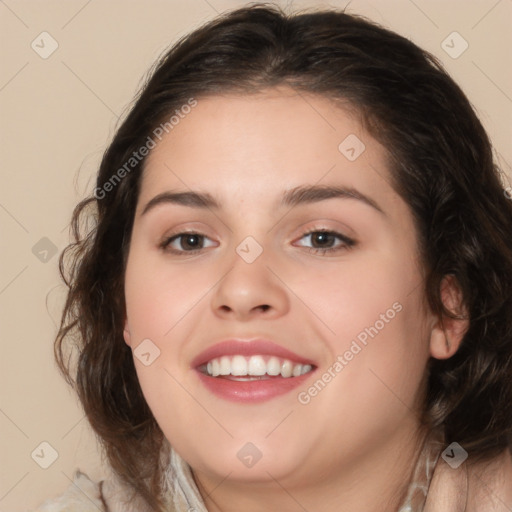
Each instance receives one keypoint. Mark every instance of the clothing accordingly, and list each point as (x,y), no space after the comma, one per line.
(435,487)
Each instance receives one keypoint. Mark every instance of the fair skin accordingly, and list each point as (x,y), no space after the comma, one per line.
(353,446)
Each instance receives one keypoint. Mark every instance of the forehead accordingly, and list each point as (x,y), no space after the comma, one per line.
(276,139)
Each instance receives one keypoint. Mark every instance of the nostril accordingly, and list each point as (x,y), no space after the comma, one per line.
(227,309)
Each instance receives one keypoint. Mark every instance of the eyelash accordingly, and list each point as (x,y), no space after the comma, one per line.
(347,243)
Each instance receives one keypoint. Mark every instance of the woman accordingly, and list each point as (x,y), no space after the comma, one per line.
(298,292)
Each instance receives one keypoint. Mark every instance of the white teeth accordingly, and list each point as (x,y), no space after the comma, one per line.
(257,366)
(225,365)
(306,368)
(238,366)
(241,366)
(215,367)
(286,369)
(273,366)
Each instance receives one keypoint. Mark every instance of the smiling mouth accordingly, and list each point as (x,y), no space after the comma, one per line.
(253,368)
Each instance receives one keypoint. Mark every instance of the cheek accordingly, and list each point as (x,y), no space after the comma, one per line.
(360,294)
(172,406)
(161,301)
(373,385)
(381,368)
(158,295)
(373,315)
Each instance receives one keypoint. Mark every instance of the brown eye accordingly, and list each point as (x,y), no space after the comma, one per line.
(190,241)
(324,241)
(183,243)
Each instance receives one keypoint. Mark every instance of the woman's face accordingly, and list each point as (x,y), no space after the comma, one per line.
(331,333)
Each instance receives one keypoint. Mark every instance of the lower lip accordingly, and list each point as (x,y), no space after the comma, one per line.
(251,391)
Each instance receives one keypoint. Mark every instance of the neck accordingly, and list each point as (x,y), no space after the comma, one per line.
(377,482)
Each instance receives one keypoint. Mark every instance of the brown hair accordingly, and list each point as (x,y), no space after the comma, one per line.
(442,165)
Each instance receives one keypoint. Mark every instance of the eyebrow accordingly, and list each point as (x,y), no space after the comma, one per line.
(299,195)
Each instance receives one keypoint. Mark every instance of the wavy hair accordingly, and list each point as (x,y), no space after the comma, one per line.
(441,162)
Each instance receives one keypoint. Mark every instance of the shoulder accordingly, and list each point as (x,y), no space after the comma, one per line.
(480,487)
(82,495)
(85,495)
(490,485)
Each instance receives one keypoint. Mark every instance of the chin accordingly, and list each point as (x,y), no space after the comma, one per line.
(245,461)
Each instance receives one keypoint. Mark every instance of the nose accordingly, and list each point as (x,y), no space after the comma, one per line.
(249,291)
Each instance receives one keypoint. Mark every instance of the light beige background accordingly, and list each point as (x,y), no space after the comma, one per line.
(57,116)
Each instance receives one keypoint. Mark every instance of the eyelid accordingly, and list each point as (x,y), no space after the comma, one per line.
(347,242)
(167,239)
(326,224)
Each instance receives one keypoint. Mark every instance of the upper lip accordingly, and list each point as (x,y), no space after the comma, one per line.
(236,346)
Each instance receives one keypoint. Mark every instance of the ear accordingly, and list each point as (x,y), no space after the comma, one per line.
(126,333)
(447,333)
